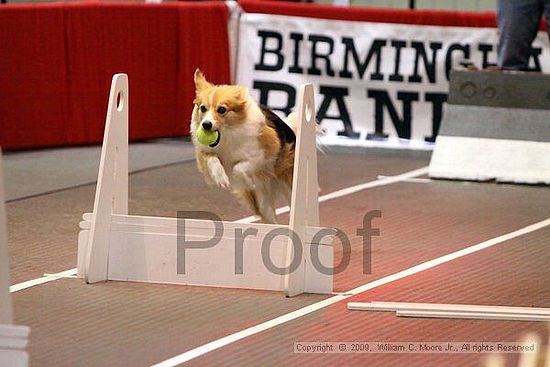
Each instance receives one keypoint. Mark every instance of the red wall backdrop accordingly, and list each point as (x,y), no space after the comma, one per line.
(404,16)
(57,60)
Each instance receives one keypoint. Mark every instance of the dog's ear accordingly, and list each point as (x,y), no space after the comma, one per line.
(240,99)
(200,82)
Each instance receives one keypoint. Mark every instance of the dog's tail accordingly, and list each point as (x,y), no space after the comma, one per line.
(292,121)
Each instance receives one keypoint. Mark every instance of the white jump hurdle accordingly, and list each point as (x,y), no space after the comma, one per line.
(113,245)
(13,338)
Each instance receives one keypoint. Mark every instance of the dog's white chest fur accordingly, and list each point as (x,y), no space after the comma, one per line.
(241,155)
(239,152)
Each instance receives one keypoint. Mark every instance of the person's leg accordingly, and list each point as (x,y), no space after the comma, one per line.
(518,23)
(547,15)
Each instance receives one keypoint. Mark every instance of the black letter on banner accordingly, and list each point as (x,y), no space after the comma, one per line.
(367,232)
(430,66)
(338,94)
(485,50)
(275,51)
(295,68)
(534,53)
(381,100)
(266,251)
(346,251)
(239,246)
(437,100)
(266,87)
(398,45)
(183,244)
(375,49)
(449,59)
(316,39)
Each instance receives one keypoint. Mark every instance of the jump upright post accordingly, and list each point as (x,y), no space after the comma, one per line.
(13,338)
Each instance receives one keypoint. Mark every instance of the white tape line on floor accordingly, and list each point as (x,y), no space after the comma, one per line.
(42,280)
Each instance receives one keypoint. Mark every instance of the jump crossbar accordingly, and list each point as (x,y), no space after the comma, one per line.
(434,310)
(472,315)
(200,227)
(394,306)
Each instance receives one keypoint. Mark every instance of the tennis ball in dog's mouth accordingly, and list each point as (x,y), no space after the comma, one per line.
(207,137)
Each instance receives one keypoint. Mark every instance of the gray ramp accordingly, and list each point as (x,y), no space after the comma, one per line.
(496,126)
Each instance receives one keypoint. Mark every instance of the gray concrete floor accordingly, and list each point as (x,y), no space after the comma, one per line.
(30,173)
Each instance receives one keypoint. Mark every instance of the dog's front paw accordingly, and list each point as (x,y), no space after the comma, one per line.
(217,173)
(221,179)
(223,182)
(241,173)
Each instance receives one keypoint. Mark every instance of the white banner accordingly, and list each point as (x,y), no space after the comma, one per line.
(374,81)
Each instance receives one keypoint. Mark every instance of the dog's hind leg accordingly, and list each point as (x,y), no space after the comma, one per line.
(248,198)
(265,201)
